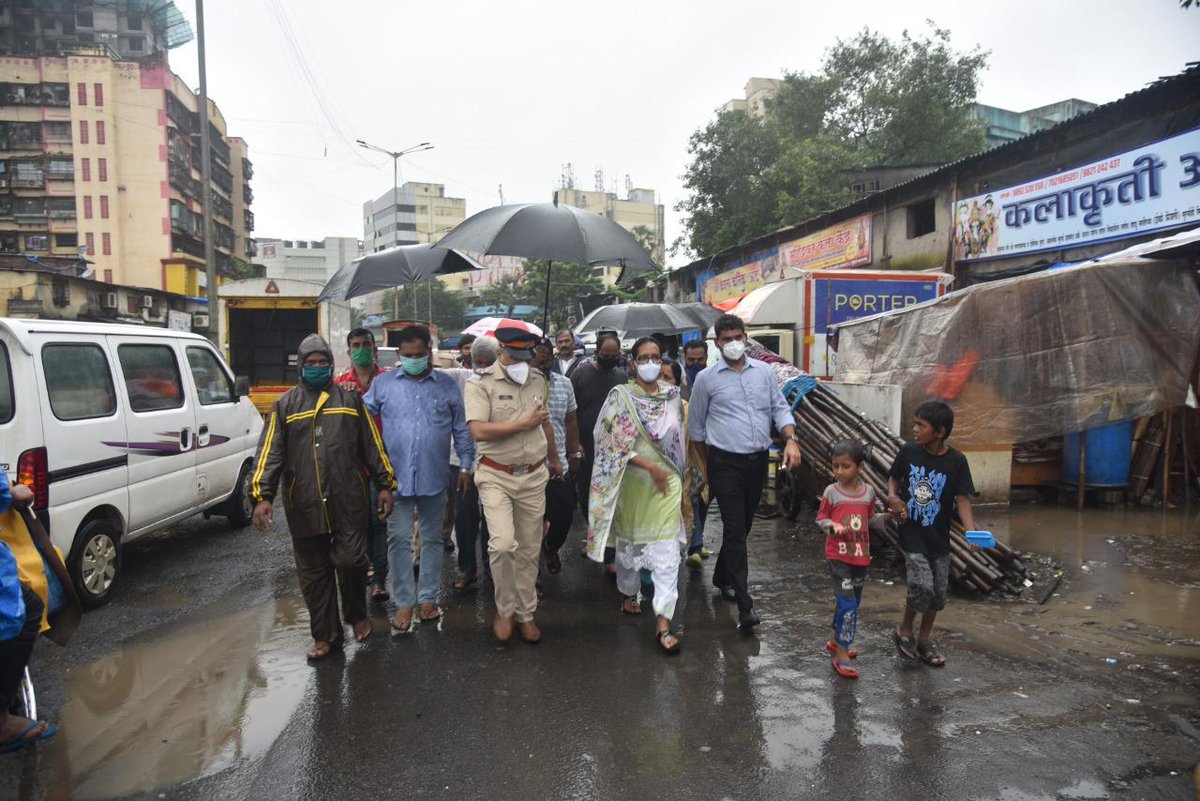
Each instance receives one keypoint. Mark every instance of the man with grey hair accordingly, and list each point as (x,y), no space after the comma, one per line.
(468,517)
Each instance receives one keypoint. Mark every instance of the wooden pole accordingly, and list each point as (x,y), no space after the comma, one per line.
(1166,457)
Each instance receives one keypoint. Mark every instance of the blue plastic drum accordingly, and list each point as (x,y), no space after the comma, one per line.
(1107,456)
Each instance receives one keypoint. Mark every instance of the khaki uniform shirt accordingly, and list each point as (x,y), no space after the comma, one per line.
(492,397)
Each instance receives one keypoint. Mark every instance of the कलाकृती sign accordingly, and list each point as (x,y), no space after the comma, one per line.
(1153,187)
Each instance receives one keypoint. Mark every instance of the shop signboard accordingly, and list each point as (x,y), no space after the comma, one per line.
(740,280)
(1147,189)
(847,244)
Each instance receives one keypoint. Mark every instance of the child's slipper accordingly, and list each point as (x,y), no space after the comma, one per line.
(907,646)
(831,647)
(844,669)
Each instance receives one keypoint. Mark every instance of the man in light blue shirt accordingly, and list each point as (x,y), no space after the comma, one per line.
(732,407)
(421,410)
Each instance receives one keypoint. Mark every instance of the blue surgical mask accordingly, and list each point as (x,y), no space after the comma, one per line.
(317,377)
(414,365)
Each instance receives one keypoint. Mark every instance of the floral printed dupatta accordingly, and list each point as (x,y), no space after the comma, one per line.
(634,422)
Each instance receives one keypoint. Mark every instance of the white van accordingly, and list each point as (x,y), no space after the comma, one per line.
(120,430)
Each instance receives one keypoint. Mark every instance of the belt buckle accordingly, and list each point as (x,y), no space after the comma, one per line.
(520,469)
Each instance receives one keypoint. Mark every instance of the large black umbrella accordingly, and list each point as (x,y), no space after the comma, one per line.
(552,232)
(406,264)
(641,319)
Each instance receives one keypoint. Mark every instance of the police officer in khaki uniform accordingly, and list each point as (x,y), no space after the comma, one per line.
(511,427)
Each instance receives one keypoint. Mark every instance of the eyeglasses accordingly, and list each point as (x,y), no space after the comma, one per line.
(648,360)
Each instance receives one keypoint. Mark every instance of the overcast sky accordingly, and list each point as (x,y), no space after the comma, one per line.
(509,91)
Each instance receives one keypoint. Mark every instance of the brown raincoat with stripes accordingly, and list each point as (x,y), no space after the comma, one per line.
(321,444)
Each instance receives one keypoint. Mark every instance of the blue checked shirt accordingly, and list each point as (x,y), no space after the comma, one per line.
(560,400)
(419,420)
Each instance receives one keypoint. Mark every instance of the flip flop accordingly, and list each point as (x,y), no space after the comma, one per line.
(930,655)
(831,647)
(314,655)
(844,669)
(22,739)
(907,646)
(625,610)
(661,637)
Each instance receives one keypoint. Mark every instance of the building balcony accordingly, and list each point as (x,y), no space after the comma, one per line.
(248,220)
(247,194)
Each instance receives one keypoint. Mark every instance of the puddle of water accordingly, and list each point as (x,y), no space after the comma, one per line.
(186,702)
(1129,591)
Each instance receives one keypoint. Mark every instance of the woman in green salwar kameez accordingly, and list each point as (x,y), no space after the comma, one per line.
(640,487)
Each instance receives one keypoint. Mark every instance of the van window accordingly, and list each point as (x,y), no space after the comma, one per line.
(7,402)
(212,382)
(151,377)
(78,381)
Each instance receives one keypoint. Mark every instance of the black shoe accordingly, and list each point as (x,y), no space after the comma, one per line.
(553,562)
(448,546)
(748,620)
(728,593)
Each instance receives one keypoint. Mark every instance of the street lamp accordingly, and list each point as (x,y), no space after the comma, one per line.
(395,156)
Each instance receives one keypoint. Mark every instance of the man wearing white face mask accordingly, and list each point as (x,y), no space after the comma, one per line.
(732,407)
(508,421)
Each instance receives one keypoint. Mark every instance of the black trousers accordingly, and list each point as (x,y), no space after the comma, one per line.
(329,565)
(736,479)
(469,523)
(15,652)
(583,481)
(560,511)
(377,541)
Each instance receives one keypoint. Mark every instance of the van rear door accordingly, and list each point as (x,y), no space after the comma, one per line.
(161,423)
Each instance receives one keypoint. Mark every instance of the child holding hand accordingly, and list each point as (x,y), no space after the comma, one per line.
(847,513)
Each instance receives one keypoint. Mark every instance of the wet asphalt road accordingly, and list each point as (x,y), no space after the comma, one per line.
(192,684)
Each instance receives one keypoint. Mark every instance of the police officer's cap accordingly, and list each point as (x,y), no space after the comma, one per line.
(518,342)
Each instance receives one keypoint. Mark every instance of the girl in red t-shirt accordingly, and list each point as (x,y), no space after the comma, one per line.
(848,512)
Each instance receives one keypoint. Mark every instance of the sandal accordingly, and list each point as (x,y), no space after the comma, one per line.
(430,613)
(907,646)
(27,736)
(631,605)
(831,647)
(662,636)
(844,669)
(401,622)
(379,594)
(465,580)
(366,635)
(930,655)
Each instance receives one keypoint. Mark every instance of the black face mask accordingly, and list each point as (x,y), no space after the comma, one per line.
(607,362)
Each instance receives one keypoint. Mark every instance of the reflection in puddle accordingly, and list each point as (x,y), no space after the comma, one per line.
(186,703)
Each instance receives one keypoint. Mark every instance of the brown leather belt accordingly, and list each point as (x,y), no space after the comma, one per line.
(511,469)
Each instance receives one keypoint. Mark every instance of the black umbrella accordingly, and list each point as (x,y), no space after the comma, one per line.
(406,264)
(552,232)
(641,319)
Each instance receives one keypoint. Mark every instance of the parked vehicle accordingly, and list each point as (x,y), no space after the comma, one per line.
(263,321)
(121,430)
(792,317)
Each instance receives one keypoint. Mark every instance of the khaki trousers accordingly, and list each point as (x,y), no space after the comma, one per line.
(514,507)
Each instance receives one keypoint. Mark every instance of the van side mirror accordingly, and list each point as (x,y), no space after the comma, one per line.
(241,386)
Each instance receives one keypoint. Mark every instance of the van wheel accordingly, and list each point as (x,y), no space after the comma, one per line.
(95,562)
(239,508)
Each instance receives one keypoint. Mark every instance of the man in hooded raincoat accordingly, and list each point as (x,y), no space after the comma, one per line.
(320,440)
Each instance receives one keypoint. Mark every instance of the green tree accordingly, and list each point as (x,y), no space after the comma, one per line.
(415,302)
(874,102)
(568,282)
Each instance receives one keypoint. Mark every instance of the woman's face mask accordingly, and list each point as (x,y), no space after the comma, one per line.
(649,372)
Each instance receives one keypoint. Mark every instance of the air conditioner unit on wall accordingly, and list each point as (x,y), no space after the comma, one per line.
(109,300)
(199,321)
(147,301)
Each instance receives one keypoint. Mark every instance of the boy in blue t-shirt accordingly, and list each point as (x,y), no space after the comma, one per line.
(928,481)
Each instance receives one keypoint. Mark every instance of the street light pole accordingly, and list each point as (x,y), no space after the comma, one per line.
(210,256)
(395,156)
